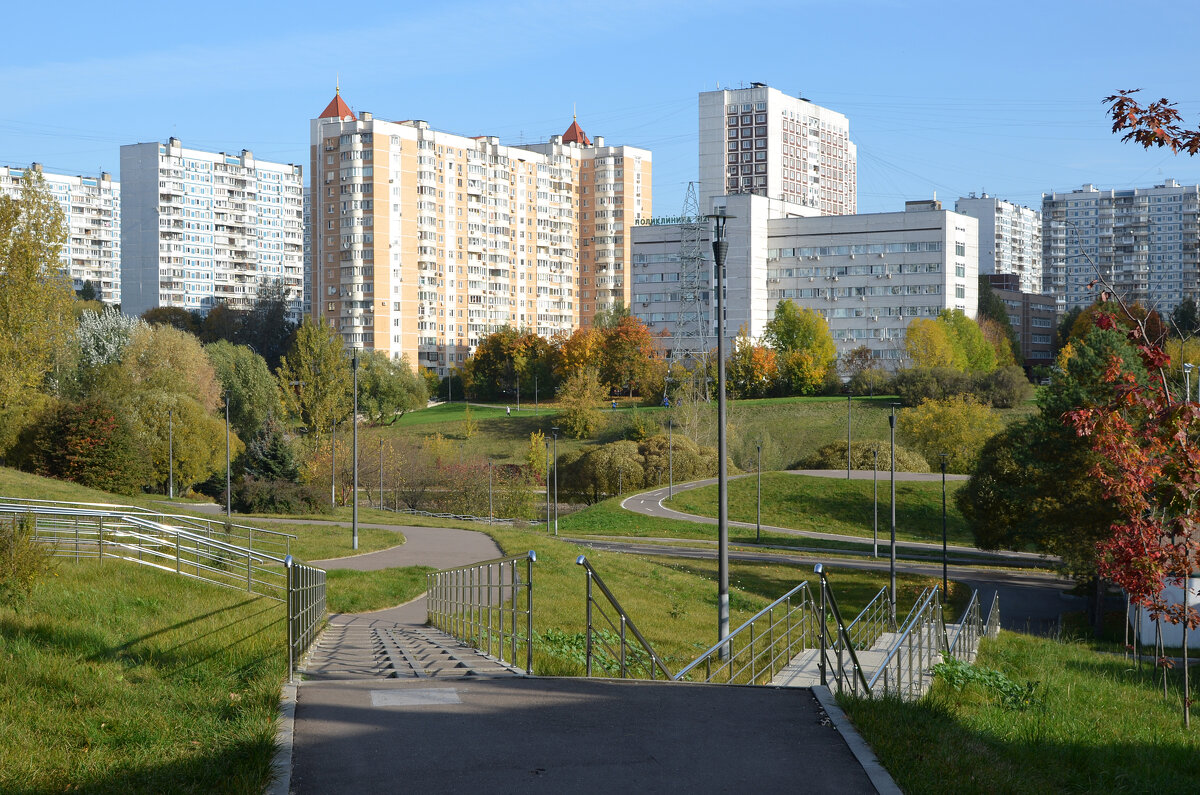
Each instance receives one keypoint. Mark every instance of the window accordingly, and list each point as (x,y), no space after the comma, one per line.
(960,271)
(960,291)
(960,249)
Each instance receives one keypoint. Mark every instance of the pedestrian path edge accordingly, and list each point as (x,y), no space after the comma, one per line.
(882,780)
(281,764)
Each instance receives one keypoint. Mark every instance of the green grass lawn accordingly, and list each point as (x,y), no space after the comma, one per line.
(361,591)
(321,542)
(118,678)
(1100,726)
(833,505)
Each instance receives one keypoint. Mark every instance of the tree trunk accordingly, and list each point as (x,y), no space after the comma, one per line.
(1097,605)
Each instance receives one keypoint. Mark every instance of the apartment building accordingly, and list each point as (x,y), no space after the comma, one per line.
(868,275)
(92,210)
(760,141)
(1144,241)
(424,241)
(1010,238)
(202,228)
(1032,316)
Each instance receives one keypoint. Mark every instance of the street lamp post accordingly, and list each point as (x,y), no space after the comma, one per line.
(518,394)
(228,474)
(535,395)
(670,458)
(944,583)
(170,454)
(849,414)
(333,464)
(554,430)
(354,452)
(758,511)
(720,246)
(892,558)
(381,472)
(547,485)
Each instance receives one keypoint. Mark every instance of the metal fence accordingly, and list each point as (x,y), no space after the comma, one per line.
(766,642)
(306,609)
(609,643)
(190,547)
(488,605)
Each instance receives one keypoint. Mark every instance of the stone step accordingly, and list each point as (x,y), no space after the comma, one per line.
(361,651)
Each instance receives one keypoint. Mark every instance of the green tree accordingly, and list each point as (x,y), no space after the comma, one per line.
(91,443)
(315,379)
(581,397)
(175,316)
(626,354)
(991,306)
(388,388)
(163,358)
(927,344)
(104,337)
(957,426)
(36,299)
(1185,318)
(199,438)
(803,346)
(253,391)
(973,353)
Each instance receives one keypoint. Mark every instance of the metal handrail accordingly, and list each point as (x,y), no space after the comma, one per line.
(964,623)
(856,673)
(462,602)
(793,633)
(872,617)
(306,609)
(919,609)
(625,623)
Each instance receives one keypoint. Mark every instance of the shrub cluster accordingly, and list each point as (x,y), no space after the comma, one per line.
(598,472)
(1002,388)
(862,456)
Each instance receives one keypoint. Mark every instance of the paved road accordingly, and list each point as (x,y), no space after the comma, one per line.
(649,503)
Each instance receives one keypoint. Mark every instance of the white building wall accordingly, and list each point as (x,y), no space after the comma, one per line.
(208,227)
(1010,238)
(1144,241)
(92,210)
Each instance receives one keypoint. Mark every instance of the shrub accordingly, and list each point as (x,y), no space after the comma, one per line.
(957,426)
(1003,388)
(581,397)
(833,456)
(23,561)
(918,384)
(90,443)
(870,381)
(252,495)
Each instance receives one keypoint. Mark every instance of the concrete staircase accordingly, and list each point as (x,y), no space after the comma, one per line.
(358,649)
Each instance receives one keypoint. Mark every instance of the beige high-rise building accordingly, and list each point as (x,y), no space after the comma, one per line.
(423,241)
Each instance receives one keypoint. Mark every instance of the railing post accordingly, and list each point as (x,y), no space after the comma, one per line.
(513,634)
(821,629)
(589,623)
(489,609)
(176,554)
(623,674)
(100,533)
(291,611)
(529,613)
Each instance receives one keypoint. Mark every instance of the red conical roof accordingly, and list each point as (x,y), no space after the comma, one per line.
(576,135)
(337,108)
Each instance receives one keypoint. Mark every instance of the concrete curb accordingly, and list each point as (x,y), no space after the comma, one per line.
(281,764)
(880,778)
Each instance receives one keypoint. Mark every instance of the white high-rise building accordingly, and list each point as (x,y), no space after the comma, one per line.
(202,228)
(1144,241)
(761,141)
(92,206)
(868,275)
(1010,238)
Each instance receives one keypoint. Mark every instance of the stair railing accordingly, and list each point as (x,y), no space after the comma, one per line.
(613,646)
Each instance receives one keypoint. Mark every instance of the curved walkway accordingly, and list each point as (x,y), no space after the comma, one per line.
(650,503)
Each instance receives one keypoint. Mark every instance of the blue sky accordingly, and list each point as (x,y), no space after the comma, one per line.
(946,97)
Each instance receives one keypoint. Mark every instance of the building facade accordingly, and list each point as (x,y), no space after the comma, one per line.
(202,228)
(1032,315)
(1010,238)
(92,211)
(761,141)
(1145,242)
(423,241)
(868,275)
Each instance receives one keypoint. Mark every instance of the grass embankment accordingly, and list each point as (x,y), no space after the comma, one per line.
(833,505)
(118,678)
(792,428)
(351,591)
(1096,725)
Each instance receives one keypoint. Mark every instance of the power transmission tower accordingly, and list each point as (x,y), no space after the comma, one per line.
(690,343)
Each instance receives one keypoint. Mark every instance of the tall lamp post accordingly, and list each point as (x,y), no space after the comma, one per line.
(875,490)
(333,463)
(849,414)
(547,485)
(354,419)
(170,454)
(670,457)
(944,583)
(518,377)
(720,248)
(758,510)
(554,430)
(381,472)
(228,475)
(535,395)
(892,558)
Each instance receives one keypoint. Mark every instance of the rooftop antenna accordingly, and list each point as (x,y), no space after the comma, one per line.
(337,84)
